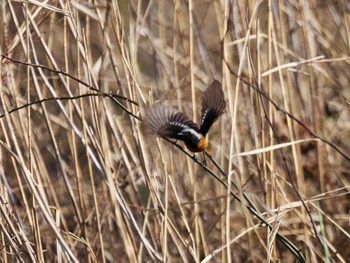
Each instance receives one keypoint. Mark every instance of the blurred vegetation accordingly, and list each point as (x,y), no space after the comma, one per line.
(81,182)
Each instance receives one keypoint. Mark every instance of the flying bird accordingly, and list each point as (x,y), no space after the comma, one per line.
(169,123)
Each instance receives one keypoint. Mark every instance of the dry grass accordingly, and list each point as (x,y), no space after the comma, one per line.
(80,181)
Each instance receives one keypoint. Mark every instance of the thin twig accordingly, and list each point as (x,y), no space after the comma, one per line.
(278,108)
(251,209)
(111,95)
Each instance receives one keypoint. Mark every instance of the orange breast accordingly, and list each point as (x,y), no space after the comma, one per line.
(202,145)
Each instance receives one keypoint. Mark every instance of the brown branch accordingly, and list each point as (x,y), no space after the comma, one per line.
(251,208)
(278,108)
(68,98)
(106,94)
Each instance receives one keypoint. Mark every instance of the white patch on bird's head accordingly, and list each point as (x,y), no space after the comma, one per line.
(193,132)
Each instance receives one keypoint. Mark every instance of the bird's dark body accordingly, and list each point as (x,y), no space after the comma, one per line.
(169,123)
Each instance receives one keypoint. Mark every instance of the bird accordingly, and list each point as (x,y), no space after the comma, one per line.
(167,122)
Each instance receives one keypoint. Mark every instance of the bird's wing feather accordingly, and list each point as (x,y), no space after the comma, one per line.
(213,105)
(166,122)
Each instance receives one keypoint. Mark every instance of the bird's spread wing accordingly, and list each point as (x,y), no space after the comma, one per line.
(213,105)
(166,122)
